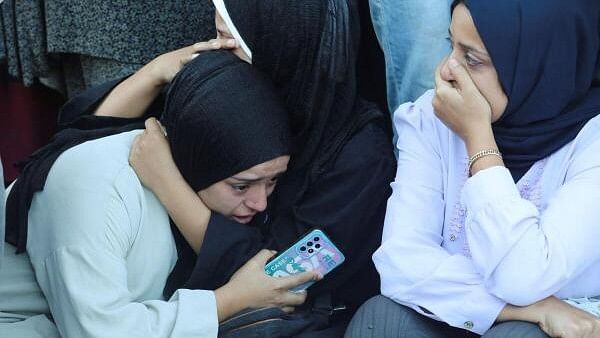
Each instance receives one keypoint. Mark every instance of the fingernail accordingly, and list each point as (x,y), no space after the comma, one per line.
(453,63)
(195,55)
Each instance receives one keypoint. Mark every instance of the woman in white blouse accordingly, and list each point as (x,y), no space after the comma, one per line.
(466,251)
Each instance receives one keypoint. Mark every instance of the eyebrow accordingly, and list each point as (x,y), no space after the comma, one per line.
(470,48)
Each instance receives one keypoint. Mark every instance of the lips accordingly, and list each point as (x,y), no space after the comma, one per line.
(243,219)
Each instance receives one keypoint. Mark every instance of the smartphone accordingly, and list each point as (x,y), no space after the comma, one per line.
(313,252)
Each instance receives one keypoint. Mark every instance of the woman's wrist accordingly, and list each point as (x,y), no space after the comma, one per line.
(480,139)
(228,302)
(532,313)
(168,186)
(152,75)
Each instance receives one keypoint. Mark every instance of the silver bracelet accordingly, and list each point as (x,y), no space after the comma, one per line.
(483,153)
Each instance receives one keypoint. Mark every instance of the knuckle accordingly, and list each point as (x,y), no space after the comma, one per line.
(278,299)
(278,284)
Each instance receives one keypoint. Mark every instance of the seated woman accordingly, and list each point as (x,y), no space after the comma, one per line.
(100,242)
(342,159)
(494,214)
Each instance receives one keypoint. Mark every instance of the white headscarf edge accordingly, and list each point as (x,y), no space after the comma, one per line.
(222,10)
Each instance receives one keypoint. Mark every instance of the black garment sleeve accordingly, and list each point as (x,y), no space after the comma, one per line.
(86,103)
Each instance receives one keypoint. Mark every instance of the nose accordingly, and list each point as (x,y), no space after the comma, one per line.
(257,198)
(445,72)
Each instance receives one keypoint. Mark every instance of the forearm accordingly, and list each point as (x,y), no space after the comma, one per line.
(186,209)
(132,97)
(446,285)
(508,234)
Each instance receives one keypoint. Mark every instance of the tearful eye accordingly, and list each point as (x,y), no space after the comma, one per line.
(240,187)
(471,61)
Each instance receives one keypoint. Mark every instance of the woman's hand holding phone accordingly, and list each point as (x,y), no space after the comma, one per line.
(313,252)
(250,287)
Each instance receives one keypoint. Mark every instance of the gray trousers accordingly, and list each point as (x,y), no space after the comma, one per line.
(381,317)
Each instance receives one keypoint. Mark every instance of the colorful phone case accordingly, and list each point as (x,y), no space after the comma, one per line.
(314,252)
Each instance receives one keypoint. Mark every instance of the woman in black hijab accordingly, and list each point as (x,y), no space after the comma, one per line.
(342,161)
(492,227)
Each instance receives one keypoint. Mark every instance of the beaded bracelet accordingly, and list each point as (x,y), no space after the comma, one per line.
(483,153)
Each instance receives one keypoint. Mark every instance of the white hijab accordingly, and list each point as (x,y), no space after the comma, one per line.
(222,10)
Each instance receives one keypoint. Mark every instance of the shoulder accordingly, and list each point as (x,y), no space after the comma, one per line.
(94,161)
(92,196)
(94,172)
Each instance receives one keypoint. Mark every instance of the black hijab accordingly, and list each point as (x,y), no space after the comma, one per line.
(221,115)
(546,54)
(309,50)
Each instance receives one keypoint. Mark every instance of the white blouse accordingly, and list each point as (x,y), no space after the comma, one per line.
(102,248)
(459,248)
